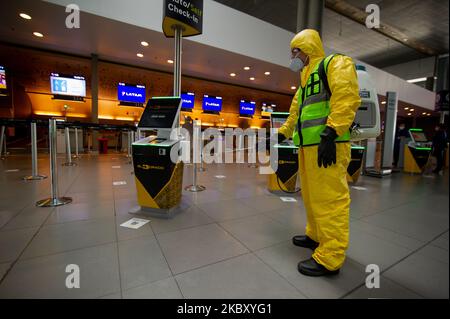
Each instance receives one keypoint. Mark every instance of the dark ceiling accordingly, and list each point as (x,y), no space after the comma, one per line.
(424,21)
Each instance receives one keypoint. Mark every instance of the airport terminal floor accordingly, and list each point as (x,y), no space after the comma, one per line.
(232,240)
(219,158)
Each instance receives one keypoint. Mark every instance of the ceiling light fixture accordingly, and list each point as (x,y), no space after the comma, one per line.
(232,74)
(246,68)
(252,79)
(144,43)
(267,73)
(38,34)
(417,80)
(293,87)
(140,55)
(384,102)
(170,61)
(406,108)
(25,16)
(412,110)
(409,114)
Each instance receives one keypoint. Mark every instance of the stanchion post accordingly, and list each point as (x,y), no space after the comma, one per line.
(131,135)
(195,159)
(68,151)
(76,155)
(2,139)
(55,200)
(34,160)
(129,144)
(202,167)
(252,150)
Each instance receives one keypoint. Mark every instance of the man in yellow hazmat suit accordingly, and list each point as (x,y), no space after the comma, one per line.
(321,114)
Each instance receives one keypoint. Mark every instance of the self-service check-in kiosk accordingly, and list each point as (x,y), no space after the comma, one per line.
(157,167)
(284,176)
(416,152)
(367,123)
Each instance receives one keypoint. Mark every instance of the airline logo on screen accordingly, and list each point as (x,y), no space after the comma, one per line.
(187,100)
(212,103)
(131,93)
(247,107)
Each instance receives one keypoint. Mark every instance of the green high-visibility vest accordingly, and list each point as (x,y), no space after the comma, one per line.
(314,107)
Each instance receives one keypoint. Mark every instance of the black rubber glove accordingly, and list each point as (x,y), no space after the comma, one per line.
(281,138)
(327,148)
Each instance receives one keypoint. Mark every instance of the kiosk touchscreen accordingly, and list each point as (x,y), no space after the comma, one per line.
(157,168)
(284,177)
(417,152)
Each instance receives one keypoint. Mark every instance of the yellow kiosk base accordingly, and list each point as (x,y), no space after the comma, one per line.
(274,184)
(355,166)
(158,180)
(284,176)
(415,159)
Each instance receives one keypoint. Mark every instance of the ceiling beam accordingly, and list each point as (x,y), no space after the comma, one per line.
(353,13)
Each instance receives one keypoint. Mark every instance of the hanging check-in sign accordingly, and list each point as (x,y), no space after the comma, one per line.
(186,13)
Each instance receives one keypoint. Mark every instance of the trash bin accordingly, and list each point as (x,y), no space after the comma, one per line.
(103,145)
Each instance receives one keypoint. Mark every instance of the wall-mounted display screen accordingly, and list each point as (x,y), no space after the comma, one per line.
(68,85)
(131,93)
(212,103)
(247,107)
(268,107)
(3,85)
(187,100)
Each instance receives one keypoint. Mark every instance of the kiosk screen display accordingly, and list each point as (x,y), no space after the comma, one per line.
(131,93)
(68,85)
(277,120)
(419,137)
(212,103)
(247,107)
(160,113)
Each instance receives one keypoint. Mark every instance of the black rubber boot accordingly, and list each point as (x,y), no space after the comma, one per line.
(312,268)
(305,241)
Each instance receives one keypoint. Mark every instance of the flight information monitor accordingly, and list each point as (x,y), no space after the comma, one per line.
(187,100)
(131,93)
(160,113)
(3,85)
(247,107)
(212,103)
(68,85)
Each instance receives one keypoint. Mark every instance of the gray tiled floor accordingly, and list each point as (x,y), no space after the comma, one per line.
(141,262)
(242,277)
(163,289)
(231,241)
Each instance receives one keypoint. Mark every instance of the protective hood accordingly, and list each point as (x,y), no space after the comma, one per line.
(310,43)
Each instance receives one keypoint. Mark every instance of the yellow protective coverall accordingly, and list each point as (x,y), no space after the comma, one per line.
(325,191)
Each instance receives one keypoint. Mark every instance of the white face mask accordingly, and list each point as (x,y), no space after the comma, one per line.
(296,64)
